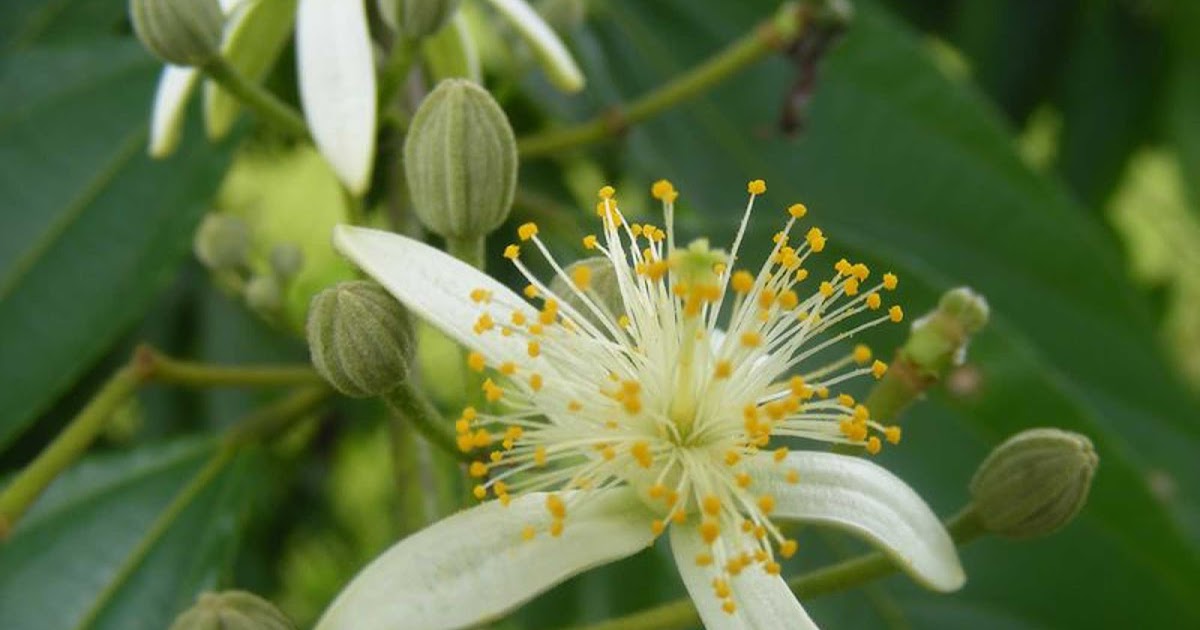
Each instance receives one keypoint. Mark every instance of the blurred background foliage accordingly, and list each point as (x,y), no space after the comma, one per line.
(1045,153)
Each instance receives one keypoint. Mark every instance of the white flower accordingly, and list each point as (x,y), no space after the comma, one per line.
(607,429)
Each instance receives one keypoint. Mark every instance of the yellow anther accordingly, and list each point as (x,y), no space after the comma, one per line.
(861,271)
(528,532)
(822,391)
(475,361)
(792,476)
(874,445)
(704,559)
(481,438)
(657,491)
(892,434)
(534,348)
(874,301)
(842,266)
(574,405)
(508,368)
(723,369)
(484,324)
(732,458)
(766,503)
(826,289)
(589,241)
(788,300)
(556,528)
(721,588)
(481,295)
(657,527)
(862,354)
(536,328)
(845,400)
(711,505)
(480,492)
(756,187)
(890,281)
(772,568)
(742,281)
(729,606)
(606,192)
(896,314)
(535,382)
(766,298)
(556,507)
(530,291)
(464,442)
(878,369)
(787,548)
(582,277)
(641,452)
(511,252)
(709,531)
(850,286)
(742,479)
(478,469)
(751,339)
(496,456)
(817,243)
(527,231)
(492,391)
(781,453)
(798,387)
(861,413)
(539,455)
(461,426)
(608,453)
(797,210)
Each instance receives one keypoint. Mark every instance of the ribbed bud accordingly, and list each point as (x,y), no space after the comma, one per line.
(460,159)
(180,32)
(595,278)
(264,294)
(360,339)
(417,18)
(286,260)
(1034,483)
(222,242)
(232,610)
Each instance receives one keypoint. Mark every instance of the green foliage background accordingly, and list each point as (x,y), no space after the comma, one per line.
(1045,153)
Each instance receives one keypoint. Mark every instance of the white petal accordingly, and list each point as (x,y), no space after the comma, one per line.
(436,287)
(337,85)
(473,566)
(175,85)
(865,499)
(552,54)
(762,600)
(253,38)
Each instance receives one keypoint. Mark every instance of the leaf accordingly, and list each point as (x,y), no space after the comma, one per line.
(900,164)
(89,554)
(92,227)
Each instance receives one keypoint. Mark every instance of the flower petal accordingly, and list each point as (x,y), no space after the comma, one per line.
(175,85)
(552,54)
(864,498)
(761,600)
(475,565)
(435,286)
(337,85)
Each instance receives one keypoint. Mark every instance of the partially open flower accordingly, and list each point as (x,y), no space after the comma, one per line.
(611,422)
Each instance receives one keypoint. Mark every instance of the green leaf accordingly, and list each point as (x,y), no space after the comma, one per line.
(92,228)
(900,164)
(114,543)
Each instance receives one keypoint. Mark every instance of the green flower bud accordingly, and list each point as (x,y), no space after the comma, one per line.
(360,339)
(1034,483)
(264,294)
(180,32)
(595,278)
(417,18)
(286,260)
(460,159)
(939,339)
(232,610)
(966,308)
(222,242)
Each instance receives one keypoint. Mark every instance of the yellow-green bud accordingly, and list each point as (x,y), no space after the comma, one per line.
(360,339)
(1034,483)
(264,294)
(232,610)
(460,159)
(286,260)
(595,278)
(222,242)
(181,32)
(939,339)
(417,18)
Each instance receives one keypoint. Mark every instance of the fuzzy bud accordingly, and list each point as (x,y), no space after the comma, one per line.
(180,32)
(460,159)
(417,18)
(232,610)
(1034,483)
(222,242)
(360,339)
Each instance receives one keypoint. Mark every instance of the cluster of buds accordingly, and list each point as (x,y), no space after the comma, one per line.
(225,244)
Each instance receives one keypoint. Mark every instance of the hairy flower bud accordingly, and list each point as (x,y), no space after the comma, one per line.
(222,242)
(417,18)
(360,339)
(1034,483)
(232,610)
(460,159)
(180,32)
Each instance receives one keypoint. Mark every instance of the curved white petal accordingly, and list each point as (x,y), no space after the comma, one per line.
(254,36)
(552,54)
(337,85)
(865,499)
(475,565)
(436,287)
(762,601)
(175,85)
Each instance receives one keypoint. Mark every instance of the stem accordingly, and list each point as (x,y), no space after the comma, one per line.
(163,369)
(66,447)
(964,527)
(395,71)
(411,404)
(788,23)
(469,250)
(254,96)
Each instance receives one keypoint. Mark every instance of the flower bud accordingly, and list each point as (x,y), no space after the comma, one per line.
(360,339)
(939,339)
(222,242)
(232,610)
(264,294)
(595,278)
(286,260)
(180,32)
(460,159)
(417,18)
(1034,483)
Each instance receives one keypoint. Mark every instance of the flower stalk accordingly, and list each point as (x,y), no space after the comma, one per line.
(255,97)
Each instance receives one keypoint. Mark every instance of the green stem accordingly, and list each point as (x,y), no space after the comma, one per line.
(66,447)
(163,369)
(964,527)
(469,250)
(788,23)
(411,404)
(395,71)
(255,97)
